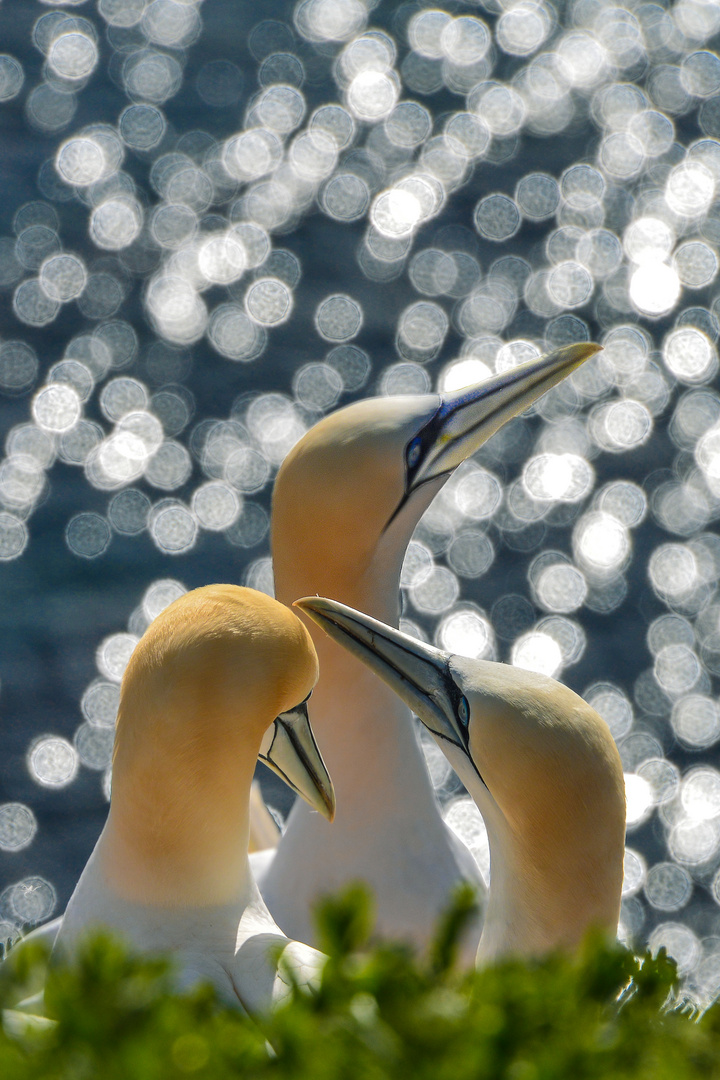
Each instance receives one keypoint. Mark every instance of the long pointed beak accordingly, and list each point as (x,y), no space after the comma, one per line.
(467,418)
(290,750)
(418,673)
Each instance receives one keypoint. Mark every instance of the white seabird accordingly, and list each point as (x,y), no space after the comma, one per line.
(541,766)
(170,870)
(346,502)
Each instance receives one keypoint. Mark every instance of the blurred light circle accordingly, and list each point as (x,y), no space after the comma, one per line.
(690,355)
(570,284)
(668,886)
(268,302)
(634,873)
(221,259)
(330,20)
(116,223)
(696,721)
(234,334)
(32,305)
(700,795)
(18,367)
(639,799)
(466,633)
(56,407)
(396,213)
(94,746)
(538,652)
(696,264)
(582,186)
(142,126)
(465,820)
(100,703)
(537,196)
(435,593)
(52,761)
(73,55)
(346,197)
(497,217)
(63,277)
(522,29)
(561,588)
(673,571)
(173,528)
(654,288)
(601,543)
(113,654)
(372,95)
(31,900)
(425,32)
(80,161)
(478,494)
(215,505)
(13,537)
(648,240)
(689,189)
(567,477)
(692,841)
(160,595)
(12,77)
(88,535)
(338,318)
(317,386)
(462,373)
(17,826)
(613,706)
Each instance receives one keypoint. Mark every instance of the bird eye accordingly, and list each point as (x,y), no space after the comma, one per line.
(413,452)
(463,712)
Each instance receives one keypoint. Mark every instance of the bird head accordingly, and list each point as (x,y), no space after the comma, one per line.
(350,493)
(207,679)
(539,762)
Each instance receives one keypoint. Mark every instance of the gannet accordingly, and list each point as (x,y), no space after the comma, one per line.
(542,768)
(346,502)
(170,870)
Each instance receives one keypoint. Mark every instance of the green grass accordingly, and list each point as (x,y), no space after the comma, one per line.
(379,1012)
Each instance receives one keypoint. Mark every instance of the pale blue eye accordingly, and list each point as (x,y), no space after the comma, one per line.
(463,712)
(413,452)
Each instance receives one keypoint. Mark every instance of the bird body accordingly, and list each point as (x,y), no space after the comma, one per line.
(346,502)
(541,766)
(170,871)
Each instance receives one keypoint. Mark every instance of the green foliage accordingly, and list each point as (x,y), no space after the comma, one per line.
(380,1012)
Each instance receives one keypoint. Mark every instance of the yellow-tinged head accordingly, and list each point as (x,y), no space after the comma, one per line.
(348,496)
(218,664)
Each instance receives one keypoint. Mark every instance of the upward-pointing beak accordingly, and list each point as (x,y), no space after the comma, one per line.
(418,673)
(290,750)
(467,418)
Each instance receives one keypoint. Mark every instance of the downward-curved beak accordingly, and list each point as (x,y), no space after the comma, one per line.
(290,750)
(467,418)
(418,673)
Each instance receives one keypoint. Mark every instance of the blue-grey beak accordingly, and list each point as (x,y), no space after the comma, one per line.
(418,673)
(290,750)
(467,418)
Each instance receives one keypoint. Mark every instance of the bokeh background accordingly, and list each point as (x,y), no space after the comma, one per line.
(220,221)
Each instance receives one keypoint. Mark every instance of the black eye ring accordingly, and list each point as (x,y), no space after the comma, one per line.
(463,711)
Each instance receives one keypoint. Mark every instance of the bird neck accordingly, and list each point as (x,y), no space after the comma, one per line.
(550,885)
(365,732)
(368,740)
(548,899)
(177,831)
